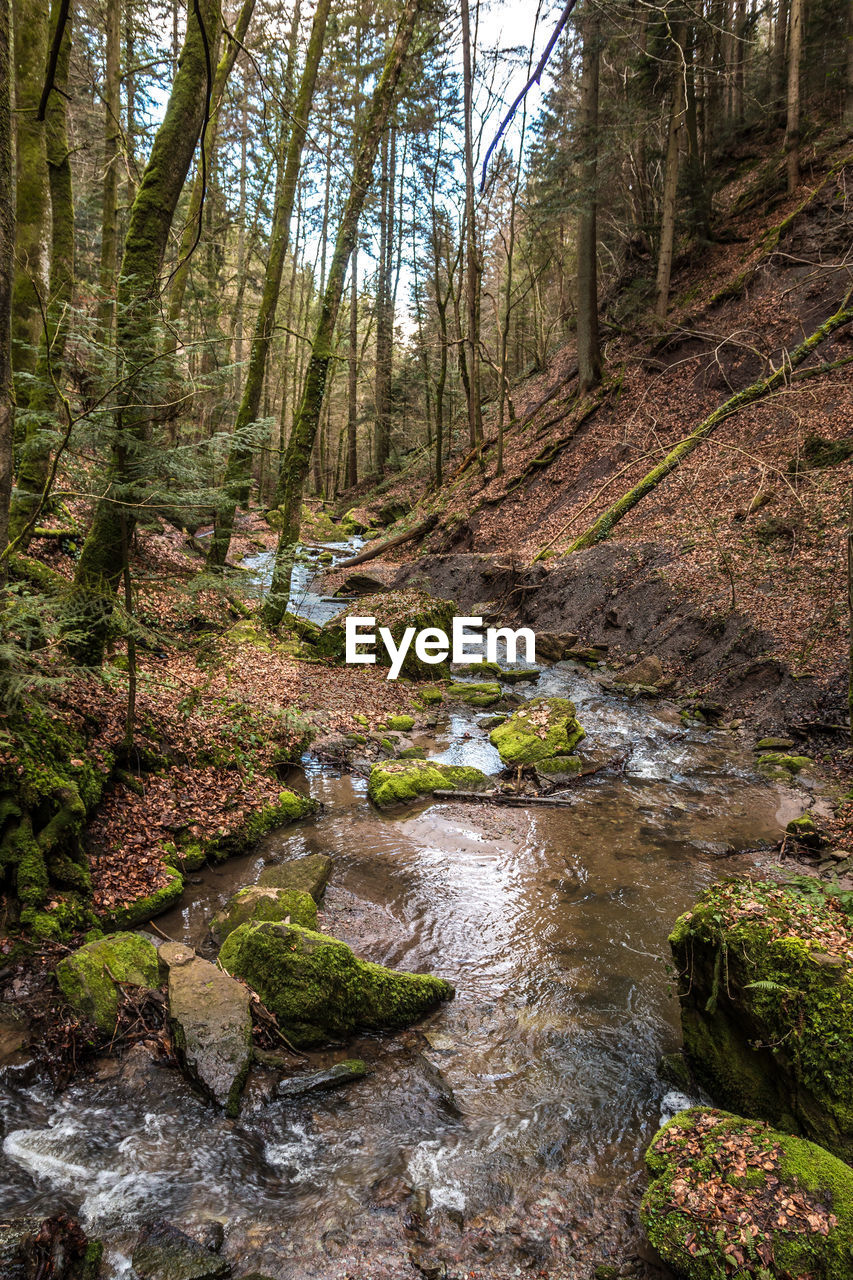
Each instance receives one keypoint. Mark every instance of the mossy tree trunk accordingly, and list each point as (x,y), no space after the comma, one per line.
(605,523)
(7,232)
(30,25)
(241,451)
(39,418)
(233,44)
(101,563)
(112,153)
(297,458)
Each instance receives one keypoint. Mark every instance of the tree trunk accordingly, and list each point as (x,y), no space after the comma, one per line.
(40,416)
(112,151)
(297,458)
(472,276)
(589,352)
(7,234)
(240,454)
(780,44)
(31,191)
(670,182)
(352,371)
(384,304)
(792,125)
(189,236)
(101,563)
(848,88)
(603,526)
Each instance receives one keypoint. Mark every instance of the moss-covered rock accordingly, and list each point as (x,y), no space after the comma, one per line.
(395,610)
(88,977)
(262,902)
(733,1198)
(299,875)
(429,696)
(319,990)
(485,694)
(402,724)
(559,766)
(540,730)
(357,520)
(520,675)
(778,760)
(765,980)
(149,906)
(162,1252)
(399,781)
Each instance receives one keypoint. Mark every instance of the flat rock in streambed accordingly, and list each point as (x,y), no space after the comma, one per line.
(303,875)
(398,781)
(554,645)
(57,1247)
(541,730)
(361,584)
(732,1196)
(647,672)
(319,990)
(263,902)
(90,977)
(317,1081)
(163,1252)
(211,1024)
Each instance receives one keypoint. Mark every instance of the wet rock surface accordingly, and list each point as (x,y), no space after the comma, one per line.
(90,977)
(165,1253)
(211,1024)
(264,902)
(303,875)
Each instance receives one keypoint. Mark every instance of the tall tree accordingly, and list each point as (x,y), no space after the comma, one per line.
(40,414)
(589,352)
(472,261)
(792,123)
(240,454)
(7,232)
(670,181)
(101,564)
(297,457)
(112,153)
(30,18)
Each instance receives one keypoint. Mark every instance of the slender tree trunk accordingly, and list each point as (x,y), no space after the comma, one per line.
(670,182)
(850,614)
(7,234)
(848,88)
(792,125)
(740,60)
(31,191)
(101,563)
(241,232)
(112,152)
(130,99)
(384,305)
(298,455)
(780,44)
(589,351)
(189,235)
(472,277)
(40,417)
(240,455)
(352,370)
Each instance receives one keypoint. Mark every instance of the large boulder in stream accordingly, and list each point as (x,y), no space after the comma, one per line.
(299,875)
(263,902)
(163,1252)
(90,977)
(318,990)
(765,979)
(396,610)
(398,781)
(211,1024)
(733,1197)
(541,730)
(56,1247)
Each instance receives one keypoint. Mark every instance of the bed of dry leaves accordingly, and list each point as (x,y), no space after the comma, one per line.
(737,1220)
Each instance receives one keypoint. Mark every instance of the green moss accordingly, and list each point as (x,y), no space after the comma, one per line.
(88,977)
(398,781)
(429,696)
(560,764)
(412,753)
(397,611)
(540,730)
(259,902)
(319,990)
(402,724)
(767,1004)
(699,1149)
(792,763)
(485,694)
(302,875)
(479,669)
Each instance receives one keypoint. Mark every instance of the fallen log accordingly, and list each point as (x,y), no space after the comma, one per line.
(379,548)
(501,797)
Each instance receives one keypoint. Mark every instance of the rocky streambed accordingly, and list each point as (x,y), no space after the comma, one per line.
(501,1135)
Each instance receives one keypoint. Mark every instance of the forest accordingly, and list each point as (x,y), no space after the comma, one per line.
(326,322)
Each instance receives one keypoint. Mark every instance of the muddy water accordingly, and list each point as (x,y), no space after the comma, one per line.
(506,1133)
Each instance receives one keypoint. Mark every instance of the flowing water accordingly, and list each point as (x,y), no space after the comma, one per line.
(505,1135)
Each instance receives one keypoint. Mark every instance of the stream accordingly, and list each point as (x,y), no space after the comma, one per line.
(505,1134)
